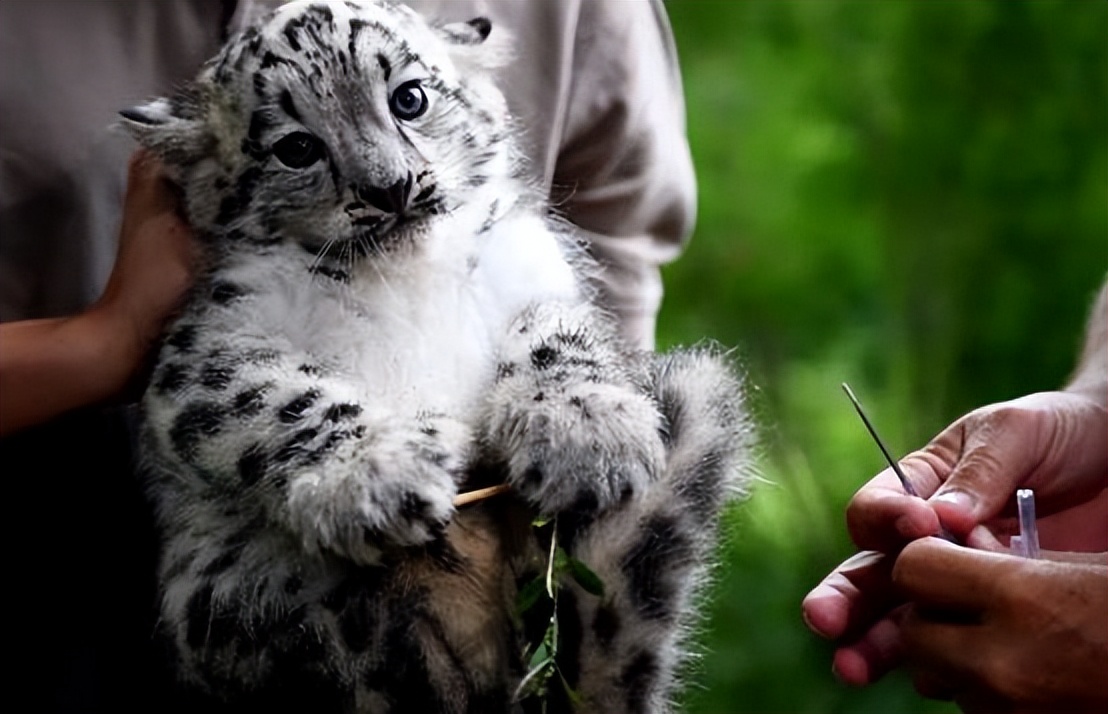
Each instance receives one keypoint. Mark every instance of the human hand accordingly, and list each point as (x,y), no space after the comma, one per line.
(996,632)
(1052,442)
(155,262)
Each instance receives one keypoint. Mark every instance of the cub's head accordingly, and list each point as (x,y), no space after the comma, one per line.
(333,123)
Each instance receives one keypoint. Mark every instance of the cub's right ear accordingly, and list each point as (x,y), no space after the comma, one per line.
(171,129)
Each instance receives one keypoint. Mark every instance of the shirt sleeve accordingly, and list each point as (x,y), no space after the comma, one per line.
(623,172)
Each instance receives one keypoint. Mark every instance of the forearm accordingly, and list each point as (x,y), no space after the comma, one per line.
(1091,376)
(50,366)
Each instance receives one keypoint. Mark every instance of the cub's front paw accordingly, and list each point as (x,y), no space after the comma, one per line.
(585,448)
(396,489)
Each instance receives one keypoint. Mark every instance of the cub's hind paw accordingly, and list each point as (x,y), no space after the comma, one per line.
(584,449)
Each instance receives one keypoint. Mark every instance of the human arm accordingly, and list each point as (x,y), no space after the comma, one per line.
(1053,442)
(50,366)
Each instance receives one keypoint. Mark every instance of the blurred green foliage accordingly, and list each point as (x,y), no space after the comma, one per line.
(910,196)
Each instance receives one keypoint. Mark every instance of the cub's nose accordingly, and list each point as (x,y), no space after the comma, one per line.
(390,199)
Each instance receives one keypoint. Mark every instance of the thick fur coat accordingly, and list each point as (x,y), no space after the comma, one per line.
(389,315)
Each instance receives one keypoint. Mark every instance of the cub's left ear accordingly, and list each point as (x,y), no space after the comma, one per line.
(169,129)
(471,48)
(473,32)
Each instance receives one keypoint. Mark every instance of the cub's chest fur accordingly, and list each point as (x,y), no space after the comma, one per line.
(424,323)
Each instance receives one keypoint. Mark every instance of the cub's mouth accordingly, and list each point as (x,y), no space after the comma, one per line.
(383,234)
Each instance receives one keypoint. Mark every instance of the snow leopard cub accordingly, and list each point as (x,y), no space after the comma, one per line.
(388,315)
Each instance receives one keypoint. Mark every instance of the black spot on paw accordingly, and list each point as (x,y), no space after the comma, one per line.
(195,422)
(183,338)
(253,464)
(504,370)
(294,449)
(171,378)
(249,402)
(312,370)
(296,409)
(217,376)
(223,292)
(342,412)
(260,355)
(330,443)
(544,356)
(413,507)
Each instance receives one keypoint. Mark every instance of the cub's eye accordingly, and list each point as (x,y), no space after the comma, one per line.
(408,101)
(298,150)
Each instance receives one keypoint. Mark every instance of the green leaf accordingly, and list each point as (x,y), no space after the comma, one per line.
(585,577)
(561,561)
(540,658)
(530,593)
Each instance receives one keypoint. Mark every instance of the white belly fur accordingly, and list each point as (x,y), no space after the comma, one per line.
(417,330)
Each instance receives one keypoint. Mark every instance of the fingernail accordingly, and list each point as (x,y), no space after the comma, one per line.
(812,627)
(959,499)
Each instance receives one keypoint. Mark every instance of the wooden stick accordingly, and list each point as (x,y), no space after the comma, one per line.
(468,497)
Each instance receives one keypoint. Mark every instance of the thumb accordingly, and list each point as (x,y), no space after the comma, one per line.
(996,457)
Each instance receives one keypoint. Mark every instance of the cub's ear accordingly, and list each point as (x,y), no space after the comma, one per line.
(469,45)
(473,32)
(170,128)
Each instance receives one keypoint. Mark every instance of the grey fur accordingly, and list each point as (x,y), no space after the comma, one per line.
(390,315)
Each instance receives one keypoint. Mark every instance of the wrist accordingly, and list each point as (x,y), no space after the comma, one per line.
(1091,387)
(117,345)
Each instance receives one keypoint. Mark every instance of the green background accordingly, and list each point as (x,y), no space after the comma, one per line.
(910,196)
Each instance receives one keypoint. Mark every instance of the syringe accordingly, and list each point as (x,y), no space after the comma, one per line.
(1026,544)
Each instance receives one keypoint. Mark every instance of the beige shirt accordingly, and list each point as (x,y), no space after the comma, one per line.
(595,86)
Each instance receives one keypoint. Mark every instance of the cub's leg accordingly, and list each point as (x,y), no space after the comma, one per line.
(249,422)
(622,650)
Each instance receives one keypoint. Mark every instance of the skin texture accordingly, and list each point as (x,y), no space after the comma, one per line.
(53,365)
(1000,633)
(990,630)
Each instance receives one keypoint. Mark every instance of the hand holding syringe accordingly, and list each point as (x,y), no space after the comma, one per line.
(1025,544)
